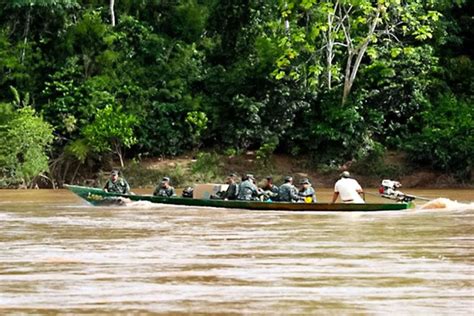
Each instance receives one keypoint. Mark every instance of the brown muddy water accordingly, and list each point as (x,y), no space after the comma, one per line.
(59,255)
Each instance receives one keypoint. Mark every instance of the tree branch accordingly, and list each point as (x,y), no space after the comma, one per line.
(112,13)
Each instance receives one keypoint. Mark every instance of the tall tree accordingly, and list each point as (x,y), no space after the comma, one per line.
(329,39)
(112,12)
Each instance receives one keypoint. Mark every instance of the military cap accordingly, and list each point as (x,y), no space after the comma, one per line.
(304,181)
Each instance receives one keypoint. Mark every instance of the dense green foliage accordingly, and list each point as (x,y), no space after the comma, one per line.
(333,79)
(25,139)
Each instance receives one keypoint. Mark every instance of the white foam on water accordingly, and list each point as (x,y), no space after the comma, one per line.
(447,204)
(142,204)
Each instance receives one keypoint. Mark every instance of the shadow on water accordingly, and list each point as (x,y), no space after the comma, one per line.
(59,255)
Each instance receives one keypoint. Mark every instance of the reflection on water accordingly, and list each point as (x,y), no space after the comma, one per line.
(58,254)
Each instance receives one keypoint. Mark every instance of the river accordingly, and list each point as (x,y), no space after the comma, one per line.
(59,255)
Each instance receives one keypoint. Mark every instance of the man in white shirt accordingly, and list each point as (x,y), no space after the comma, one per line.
(348,189)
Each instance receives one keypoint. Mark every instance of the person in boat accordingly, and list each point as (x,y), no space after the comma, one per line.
(306,192)
(287,191)
(348,189)
(270,190)
(116,184)
(233,188)
(248,191)
(188,192)
(164,189)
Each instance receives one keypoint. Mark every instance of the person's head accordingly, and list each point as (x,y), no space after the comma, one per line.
(269,181)
(288,179)
(305,183)
(165,182)
(345,174)
(114,175)
(250,177)
(230,180)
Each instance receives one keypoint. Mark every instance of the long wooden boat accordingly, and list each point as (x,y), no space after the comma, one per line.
(97,196)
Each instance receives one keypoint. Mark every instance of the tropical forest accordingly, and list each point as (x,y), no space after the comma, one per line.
(89,85)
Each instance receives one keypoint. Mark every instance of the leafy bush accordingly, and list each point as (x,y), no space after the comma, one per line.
(25,141)
(446,138)
(111,130)
(263,154)
(206,168)
(138,176)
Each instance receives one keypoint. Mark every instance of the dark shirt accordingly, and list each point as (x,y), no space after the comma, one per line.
(120,186)
(164,192)
(232,192)
(272,192)
(288,193)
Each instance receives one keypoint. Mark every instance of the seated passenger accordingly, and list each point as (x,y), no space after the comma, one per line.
(247,189)
(233,189)
(164,189)
(116,184)
(270,190)
(287,191)
(188,192)
(306,192)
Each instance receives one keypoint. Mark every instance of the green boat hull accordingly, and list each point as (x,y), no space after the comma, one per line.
(97,196)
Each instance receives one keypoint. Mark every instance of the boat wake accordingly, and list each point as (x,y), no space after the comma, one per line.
(444,203)
(140,204)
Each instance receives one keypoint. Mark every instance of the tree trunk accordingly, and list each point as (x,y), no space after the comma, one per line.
(351,70)
(121,159)
(347,83)
(75,173)
(118,151)
(330,46)
(112,13)
(27,31)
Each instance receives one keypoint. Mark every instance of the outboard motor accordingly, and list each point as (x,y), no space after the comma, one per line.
(389,189)
(188,192)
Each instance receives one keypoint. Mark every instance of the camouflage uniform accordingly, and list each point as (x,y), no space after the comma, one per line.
(120,186)
(247,191)
(288,193)
(308,192)
(164,192)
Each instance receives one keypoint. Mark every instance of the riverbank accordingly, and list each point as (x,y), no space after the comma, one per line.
(211,167)
(208,167)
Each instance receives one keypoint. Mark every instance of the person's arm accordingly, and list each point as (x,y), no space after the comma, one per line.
(173,192)
(255,190)
(237,188)
(294,194)
(360,191)
(127,187)
(106,186)
(335,196)
(313,195)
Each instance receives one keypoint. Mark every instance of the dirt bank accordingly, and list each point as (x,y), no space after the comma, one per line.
(393,166)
